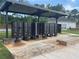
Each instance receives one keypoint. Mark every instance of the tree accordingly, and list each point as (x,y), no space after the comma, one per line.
(2,0)
(29,19)
(73,16)
(49,6)
(38,5)
(1,19)
(74,11)
(43,19)
(59,7)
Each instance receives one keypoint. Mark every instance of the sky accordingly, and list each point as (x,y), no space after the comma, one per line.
(68,4)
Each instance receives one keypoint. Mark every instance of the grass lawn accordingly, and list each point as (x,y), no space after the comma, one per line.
(3,34)
(4,53)
(71,31)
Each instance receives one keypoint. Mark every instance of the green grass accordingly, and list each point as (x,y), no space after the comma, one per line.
(3,34)
(4,53)
(71,31)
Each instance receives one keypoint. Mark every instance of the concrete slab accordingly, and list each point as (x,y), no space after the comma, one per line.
(30,48)
(40,57)
(71,52)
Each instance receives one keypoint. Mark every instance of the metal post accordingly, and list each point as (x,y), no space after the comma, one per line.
(23,30)
(56,25)
(12,30)
(38,19)
(6,23)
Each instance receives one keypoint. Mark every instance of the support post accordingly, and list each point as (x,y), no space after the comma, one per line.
(56,25)
(12,30)
(6,23)
(38,19)
(23,30)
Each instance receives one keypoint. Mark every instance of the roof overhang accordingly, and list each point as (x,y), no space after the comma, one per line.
(22,8)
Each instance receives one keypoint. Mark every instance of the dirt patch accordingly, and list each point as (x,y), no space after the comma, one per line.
(18,44)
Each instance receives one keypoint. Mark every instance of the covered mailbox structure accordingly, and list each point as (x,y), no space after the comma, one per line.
(15,6)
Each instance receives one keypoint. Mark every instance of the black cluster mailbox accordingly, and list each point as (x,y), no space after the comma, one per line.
(25,31)
(50,29)
(17,30)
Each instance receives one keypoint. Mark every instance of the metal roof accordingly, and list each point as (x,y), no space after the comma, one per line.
(24,8)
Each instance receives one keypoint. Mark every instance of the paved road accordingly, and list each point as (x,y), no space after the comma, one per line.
(3,30)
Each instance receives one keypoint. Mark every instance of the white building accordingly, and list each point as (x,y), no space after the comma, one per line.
(67,25)
(65,22)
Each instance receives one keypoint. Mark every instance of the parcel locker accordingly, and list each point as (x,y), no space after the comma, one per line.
(55,30)
(28,30)
(33,30)
(34,33)
(40,29)
(20,30)
(51,29)
(59,28)
(14,29)
(36,30)
(25,35)
(47,29)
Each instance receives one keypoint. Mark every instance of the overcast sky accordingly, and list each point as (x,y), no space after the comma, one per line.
(68,4)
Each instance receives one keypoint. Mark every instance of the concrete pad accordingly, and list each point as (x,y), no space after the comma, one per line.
(38,49)
(40,57)
(71,52)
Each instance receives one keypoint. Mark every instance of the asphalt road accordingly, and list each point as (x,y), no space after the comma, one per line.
(2,30)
